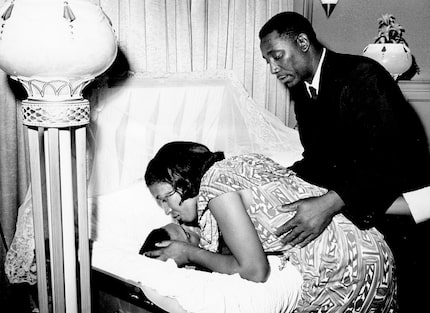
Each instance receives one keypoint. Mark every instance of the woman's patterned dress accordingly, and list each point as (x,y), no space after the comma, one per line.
(345,269)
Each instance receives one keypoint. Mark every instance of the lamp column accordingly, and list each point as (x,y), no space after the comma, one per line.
(57,150)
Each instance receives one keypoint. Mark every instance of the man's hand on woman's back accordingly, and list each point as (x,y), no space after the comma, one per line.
(312,217)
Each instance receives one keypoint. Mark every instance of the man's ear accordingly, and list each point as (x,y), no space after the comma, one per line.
(303,42)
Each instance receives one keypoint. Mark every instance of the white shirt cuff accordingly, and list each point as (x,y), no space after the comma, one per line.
(419,203)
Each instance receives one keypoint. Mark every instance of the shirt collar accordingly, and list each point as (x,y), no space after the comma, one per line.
(316,80)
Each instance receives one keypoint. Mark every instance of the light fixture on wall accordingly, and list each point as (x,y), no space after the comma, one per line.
(396,58)
(55,48)
(328,6)
(390,48)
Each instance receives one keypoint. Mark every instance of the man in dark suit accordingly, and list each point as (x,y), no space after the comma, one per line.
(362,141)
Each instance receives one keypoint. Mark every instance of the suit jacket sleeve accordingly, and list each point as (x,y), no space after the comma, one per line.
(368,181)
(365,151)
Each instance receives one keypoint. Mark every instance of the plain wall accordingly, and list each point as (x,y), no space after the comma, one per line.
(353,25)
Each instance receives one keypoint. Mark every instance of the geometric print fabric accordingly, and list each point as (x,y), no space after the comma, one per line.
(345,269)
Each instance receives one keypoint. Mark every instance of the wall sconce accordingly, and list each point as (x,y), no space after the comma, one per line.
(328,6)
(55,48)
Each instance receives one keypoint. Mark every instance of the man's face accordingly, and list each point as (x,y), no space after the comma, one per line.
(182,233)
(287,61)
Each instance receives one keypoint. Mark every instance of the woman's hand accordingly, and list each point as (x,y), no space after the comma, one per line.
(171,249)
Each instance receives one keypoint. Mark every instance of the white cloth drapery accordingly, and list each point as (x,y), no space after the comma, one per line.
(135,118)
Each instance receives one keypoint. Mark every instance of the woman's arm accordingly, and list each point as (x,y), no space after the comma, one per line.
(247,255)
(247,258)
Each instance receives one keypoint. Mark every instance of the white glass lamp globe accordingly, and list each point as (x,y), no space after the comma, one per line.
(54,41)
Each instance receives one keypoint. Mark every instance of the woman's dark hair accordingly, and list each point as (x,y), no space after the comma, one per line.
(289,24)
(155,236)
(181,164)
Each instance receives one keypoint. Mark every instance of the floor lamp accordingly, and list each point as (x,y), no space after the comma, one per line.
(55,48)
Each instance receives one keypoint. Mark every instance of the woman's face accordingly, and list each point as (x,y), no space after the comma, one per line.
(170,200)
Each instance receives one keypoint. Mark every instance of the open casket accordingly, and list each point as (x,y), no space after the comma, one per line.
(131,121)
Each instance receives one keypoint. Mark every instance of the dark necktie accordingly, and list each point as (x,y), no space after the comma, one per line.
(313,92)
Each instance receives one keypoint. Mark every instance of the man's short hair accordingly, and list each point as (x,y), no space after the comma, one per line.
(289,24)
(155,236)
